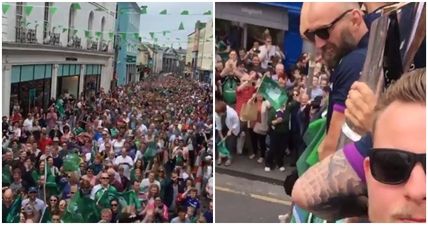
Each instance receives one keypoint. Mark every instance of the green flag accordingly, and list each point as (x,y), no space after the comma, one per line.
(222,149)
(152,34)
(130,198)
(28,9)
(271,91)
(75,6)
(318,126)
(46,216)
(71,162)
(143,9)
(81,209)
(5,7)
(151,151)
(136,36)
(75,31)
(14,212)
(53,10)
(98,33)
(6,176)
(181,27)
(185,13)
(163,12)
(207,12)
(111,35)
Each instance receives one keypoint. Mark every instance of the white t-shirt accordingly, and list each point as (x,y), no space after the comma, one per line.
(28,124)
(145,184)
(126,163)
(117,145)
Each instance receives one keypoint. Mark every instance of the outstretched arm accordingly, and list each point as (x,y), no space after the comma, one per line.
(331,189)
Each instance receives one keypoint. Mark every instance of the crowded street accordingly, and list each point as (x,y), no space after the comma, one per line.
(119,132)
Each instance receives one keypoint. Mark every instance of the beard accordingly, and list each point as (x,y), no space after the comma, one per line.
(332,54)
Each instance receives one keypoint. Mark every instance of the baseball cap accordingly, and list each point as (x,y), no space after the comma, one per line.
(32,190)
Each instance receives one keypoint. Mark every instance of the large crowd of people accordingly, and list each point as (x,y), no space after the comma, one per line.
(139,153)
(275,133)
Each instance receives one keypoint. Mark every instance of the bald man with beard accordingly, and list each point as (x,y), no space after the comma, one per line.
(339,32)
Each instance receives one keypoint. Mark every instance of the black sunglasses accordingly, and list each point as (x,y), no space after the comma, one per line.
(323,32)
(394,166)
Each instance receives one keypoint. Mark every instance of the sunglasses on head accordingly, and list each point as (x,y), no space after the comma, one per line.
(394,166)
(323,32)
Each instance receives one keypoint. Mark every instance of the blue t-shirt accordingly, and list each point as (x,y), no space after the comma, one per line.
(192,202)
(345,74)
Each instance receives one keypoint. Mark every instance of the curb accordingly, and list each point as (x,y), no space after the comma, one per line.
(250,176)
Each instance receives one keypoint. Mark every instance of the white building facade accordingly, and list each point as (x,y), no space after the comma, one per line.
(55,48)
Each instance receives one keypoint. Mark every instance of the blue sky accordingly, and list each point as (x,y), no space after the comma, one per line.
(154,22)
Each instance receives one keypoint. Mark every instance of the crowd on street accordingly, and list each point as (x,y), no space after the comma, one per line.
(138,153)
(274,133)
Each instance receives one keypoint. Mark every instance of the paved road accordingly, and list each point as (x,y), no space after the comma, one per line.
(248,201)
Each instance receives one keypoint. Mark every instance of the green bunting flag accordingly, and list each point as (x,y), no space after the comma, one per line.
(207,12)
(181,27)
(64,30)
(75,6)
(152,34)
(5,7)
(122,35)
(136,36)
(28,9)
(143,9)
(53,10)
(271,91)
(99,9)
(163,12)
(185,13)
(87,34)
(111,35)
(75,31)
(98,33)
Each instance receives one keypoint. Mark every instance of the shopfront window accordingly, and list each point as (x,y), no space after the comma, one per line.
(68,80)
(31,86)
(92,79)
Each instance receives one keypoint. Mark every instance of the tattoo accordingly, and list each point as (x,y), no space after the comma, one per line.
(332,189)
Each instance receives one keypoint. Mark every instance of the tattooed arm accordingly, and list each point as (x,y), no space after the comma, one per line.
(331,189)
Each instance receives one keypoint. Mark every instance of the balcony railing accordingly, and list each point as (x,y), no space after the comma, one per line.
(53,39)
(24,35)
(29,36)
(75,42)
